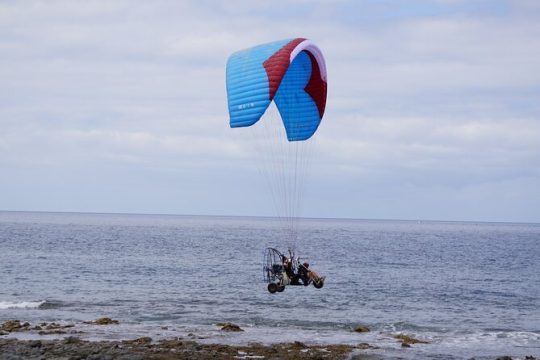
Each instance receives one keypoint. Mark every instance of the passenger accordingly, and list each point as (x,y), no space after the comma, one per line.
(303,273)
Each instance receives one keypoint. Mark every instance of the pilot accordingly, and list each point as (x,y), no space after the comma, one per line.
(287,264)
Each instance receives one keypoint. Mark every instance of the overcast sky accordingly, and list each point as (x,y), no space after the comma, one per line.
(433,107)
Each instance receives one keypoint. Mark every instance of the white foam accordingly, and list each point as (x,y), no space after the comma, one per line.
(4,305)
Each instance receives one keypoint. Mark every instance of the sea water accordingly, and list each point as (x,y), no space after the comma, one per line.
(469,289)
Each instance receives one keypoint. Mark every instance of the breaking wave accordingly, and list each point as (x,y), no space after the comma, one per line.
(4,305)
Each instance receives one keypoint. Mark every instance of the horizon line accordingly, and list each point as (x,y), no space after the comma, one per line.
(268,216)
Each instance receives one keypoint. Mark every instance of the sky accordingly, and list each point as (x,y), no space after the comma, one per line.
(433,109)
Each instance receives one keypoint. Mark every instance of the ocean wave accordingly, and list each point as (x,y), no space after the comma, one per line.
(4,305)
(51,305)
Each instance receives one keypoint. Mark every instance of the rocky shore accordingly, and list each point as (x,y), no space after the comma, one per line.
(69,345)
(144,348)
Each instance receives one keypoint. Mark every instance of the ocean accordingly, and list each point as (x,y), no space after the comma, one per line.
(469,289)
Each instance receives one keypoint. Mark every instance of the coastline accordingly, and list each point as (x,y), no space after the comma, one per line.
(144,348)
(23,340)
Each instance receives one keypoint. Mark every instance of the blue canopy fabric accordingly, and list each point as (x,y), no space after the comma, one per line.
(291,72)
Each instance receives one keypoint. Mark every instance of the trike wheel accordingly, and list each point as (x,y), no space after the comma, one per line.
(272,287)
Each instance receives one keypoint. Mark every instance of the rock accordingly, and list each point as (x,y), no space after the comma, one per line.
(107,321)
(142,341)
(404,344)
(229,327)
(361,329)
(530,357)
(35,343)
(365,346)
(171,344)
(103,321)
(131,357)
(72,340)
(405,339)
(504,358)
(14,325)
(10,325)
(298,344)
(52,332)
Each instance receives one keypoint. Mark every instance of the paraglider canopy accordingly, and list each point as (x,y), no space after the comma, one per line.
(291,72)
(278,91)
